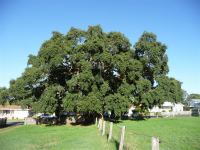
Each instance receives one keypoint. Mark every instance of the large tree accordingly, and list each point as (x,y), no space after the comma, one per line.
(91,72)
(154,87)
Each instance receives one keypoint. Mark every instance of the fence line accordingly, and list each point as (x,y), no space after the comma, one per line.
(135,140)
(110,131)
(116,133)
(139,141)
(173,114)
(122,138)
(135,133)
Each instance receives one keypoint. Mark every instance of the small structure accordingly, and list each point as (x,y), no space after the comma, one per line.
(130,111)
(13,112)
(165,109)
(30,121)
(194,103)
(178,107)
(168,107)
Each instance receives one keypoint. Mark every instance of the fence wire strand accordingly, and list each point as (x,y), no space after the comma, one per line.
(141,141)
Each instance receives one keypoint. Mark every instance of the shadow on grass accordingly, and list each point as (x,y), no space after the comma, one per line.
(82,123)
(116,144)
(71,124)
(113,120)
(10,124)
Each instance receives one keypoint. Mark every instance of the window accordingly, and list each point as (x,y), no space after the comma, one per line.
(11,111)
(6,111)
(167,107)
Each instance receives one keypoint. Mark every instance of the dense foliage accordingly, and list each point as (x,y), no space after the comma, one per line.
(193,96)
(3,95)
(92,72)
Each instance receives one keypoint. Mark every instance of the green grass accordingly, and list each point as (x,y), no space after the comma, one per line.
(34,137)
(174,133)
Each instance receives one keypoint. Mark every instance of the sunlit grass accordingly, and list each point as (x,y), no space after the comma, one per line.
(52,138)
(174,134)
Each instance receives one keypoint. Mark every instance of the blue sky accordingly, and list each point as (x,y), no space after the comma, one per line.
(26,24)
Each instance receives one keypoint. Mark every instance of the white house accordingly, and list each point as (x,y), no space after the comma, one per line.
(178,107)
(13,112)
(130,111)
(194,103)
(166,107)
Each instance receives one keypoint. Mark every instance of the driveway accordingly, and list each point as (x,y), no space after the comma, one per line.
(11,123)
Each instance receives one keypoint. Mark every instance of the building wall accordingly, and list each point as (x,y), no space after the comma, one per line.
(166,107)
(155,109)
(178,108)
(130,110)
(14,114)
(21,114)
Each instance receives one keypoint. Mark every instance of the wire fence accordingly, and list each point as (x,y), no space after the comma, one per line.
(178,143)
(137,141)
(133,140)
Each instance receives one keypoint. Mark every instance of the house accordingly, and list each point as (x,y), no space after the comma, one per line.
(166,107)
(178,107)
(194,103)
(13,112)
(130,111)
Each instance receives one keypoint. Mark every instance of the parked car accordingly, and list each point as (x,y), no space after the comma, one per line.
(47,119)
(47,116)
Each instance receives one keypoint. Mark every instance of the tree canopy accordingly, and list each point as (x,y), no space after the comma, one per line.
(92,72)
(193,96)
(3,95)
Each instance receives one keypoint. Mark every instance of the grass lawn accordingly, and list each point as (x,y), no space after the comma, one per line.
(174,133)
(34,137)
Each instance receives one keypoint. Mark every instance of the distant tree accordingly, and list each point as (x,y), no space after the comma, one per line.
(185,95)
(92,72)
(4,95)
(193,96)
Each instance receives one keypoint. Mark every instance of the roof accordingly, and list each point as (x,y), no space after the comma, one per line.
(195,100)
(194,103)
(11,107)
(167,104)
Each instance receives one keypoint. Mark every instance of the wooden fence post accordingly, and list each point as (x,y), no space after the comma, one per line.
(96,122)
(104,127)
(155,143)
(122,138)
(110,131)
(100,124)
